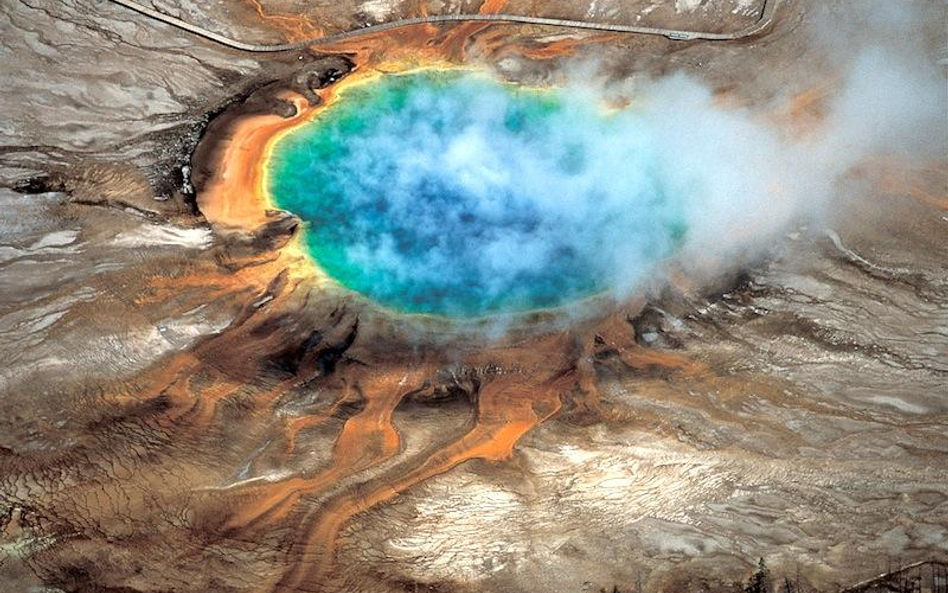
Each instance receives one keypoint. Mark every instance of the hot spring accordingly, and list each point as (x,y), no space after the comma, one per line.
(454,194)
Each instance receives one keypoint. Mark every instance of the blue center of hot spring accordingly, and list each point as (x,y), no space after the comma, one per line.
(454,194)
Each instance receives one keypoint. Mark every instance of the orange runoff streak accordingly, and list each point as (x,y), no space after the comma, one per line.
(508,408)
(367,439)
(297,27)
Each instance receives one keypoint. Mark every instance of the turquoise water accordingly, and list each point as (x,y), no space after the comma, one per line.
(451,193)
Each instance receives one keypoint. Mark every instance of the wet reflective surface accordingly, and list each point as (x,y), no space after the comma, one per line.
(448,192)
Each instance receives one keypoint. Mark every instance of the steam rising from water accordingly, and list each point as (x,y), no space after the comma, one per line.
(455,194)
(451,193)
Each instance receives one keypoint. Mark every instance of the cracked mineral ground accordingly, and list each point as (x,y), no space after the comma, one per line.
(555,297)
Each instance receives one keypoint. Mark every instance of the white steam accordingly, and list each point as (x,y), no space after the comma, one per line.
(890,99)
(609,197)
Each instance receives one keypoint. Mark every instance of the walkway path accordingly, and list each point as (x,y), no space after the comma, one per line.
(766,17)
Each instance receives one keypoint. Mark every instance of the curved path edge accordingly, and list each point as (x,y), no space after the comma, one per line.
(766,17)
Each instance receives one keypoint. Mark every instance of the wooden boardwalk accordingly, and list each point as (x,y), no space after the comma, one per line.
(766,17)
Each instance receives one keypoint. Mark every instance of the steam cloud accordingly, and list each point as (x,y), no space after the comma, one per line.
(745,181)
(533,208)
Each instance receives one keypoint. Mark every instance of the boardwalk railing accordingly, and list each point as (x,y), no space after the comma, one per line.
(766,17)
(930,576)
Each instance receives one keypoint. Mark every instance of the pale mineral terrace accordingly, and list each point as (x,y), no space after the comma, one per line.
(182,408)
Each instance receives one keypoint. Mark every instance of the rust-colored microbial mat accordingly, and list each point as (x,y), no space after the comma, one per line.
(473,307)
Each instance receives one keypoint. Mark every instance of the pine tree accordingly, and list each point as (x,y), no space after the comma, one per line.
(760,582)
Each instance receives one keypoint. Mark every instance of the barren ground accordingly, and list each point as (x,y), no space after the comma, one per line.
(184,408)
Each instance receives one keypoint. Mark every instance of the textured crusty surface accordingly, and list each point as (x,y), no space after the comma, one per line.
(184,409)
